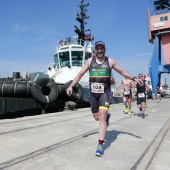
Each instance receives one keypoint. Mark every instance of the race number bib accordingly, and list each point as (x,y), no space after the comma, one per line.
(97,88)
(141,95)
(126,92)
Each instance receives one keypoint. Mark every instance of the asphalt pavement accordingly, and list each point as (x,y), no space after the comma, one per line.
(68,140)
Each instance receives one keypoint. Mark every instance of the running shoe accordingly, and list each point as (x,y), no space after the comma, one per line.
(107,119)
(129,112)
(143,115)
(104,142)
(100,150)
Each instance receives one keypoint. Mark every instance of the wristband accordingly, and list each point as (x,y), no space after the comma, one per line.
(134,78)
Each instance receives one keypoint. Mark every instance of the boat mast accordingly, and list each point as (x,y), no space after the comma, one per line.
(81,19)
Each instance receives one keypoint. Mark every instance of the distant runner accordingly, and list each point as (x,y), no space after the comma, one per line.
(141,94)
(127,85)
(158,90)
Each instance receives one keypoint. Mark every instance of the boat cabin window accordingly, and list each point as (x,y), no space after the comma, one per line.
(64,59)
(56,58)
(77,58)
(86,56)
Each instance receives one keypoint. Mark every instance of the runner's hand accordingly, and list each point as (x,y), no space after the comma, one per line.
(69,90)
(139,81)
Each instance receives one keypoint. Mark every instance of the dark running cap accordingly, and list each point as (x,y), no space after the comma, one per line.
(100,43)
(140,74)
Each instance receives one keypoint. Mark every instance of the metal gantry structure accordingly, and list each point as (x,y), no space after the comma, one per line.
(159,35)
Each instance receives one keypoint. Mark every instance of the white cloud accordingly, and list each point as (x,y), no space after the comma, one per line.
(144,54)
(18,27)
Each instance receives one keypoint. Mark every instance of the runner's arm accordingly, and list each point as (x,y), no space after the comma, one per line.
(121,71)
(84,69)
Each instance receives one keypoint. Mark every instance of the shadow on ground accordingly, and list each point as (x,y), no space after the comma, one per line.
(112,135)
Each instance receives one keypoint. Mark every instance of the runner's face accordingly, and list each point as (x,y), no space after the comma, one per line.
(100,51)
(140,76)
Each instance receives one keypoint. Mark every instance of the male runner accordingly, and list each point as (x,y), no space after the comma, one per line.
(100,67)
(141,94)
(127,86)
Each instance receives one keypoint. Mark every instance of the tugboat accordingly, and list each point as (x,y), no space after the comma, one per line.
(50,87)
(48,90)
(70,56)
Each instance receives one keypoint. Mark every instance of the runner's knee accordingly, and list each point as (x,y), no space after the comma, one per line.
(96,116)
(102,116)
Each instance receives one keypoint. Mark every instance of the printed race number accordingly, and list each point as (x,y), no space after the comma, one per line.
(126,92)
(141,95)
(97,88)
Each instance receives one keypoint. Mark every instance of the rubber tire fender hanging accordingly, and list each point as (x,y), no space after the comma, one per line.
(44,90)
(77,94)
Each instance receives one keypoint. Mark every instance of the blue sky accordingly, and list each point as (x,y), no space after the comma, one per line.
(31,29)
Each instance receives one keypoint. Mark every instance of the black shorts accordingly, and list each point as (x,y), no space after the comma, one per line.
(129,96)
(100,101)
(140,100)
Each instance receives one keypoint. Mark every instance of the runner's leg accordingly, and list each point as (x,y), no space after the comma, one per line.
(125,103)
(129,104)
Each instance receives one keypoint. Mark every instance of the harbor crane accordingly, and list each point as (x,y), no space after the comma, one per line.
(159,35)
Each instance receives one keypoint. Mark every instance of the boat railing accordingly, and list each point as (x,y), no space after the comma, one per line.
(53,66)
(70,40)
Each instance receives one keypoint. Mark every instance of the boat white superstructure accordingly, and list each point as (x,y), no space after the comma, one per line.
(69,59)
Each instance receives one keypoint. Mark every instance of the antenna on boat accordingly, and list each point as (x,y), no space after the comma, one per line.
(81,19)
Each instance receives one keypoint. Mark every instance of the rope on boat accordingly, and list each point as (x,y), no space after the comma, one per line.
(3,88)
(44,109)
